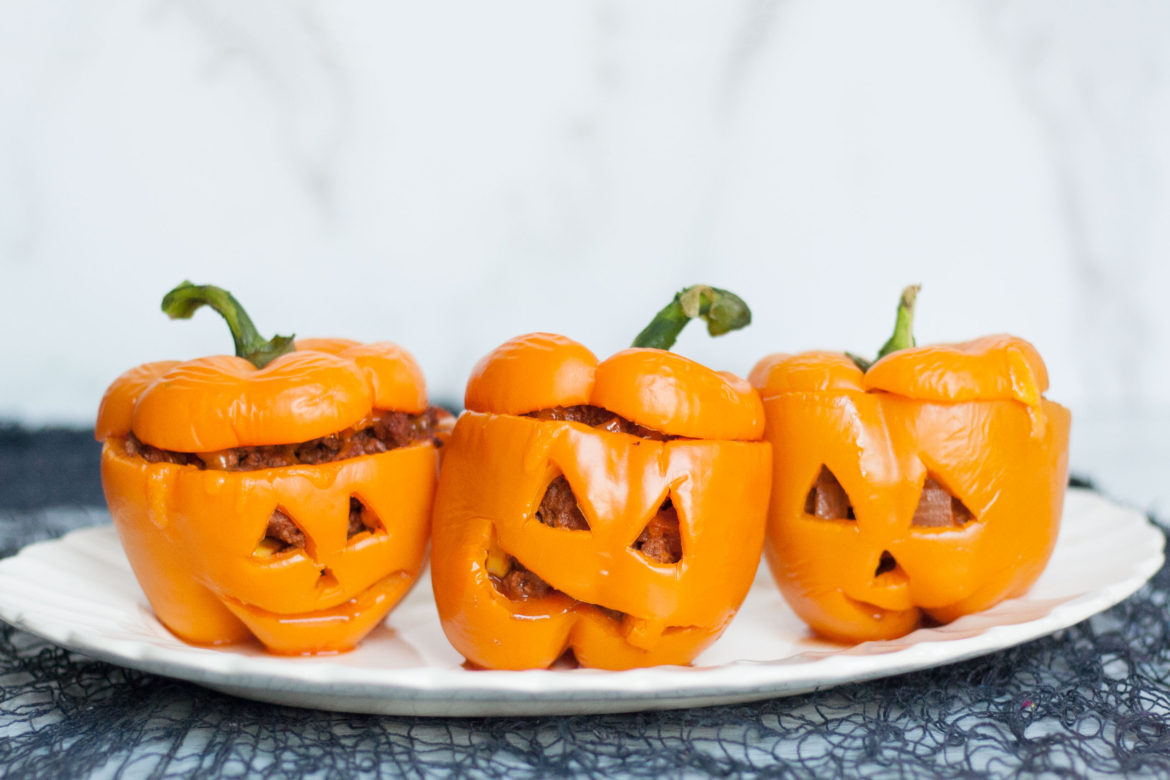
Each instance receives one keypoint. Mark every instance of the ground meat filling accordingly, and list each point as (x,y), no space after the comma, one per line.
(597,417)
(559,507)
(282,529)
(282,534)
(521,584)
(936,507)
(939,509)
(134,447)
(360,519)
(827,499)
(660,540)
(388,431)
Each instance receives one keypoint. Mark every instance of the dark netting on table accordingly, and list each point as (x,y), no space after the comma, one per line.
(1091,699)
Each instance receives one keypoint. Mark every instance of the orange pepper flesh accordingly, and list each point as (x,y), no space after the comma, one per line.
(193,536)
(498,465)
(972,417)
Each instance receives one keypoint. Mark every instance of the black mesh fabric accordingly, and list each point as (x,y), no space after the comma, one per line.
(1091,699)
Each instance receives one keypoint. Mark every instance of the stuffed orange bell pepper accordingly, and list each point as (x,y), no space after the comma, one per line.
(922,487)
(282,493)
(614,508)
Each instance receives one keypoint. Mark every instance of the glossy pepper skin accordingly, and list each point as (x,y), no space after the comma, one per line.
(971,416)
(499,463)
(192,535)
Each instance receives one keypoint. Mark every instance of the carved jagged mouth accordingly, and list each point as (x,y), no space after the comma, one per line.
(878,612)
(516,582)
(330,629)
(331,612)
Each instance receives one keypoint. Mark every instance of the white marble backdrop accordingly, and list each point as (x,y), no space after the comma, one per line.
(447,175)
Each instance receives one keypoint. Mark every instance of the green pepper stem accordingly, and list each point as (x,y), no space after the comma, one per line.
(724,312)
(183,301)
(903,336)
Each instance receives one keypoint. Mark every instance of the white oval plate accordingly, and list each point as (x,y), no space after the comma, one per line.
(79,592)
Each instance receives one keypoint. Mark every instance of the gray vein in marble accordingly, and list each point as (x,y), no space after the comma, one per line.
(758,19)
(21,227)
(287,48)
(584,205)
(1084,96)
(33,81)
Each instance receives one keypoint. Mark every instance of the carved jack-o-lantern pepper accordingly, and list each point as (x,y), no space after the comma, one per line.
(615,508)
(284,492)
(926,485)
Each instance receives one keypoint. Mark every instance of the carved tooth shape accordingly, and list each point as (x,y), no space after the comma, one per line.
(559,509)
(661,540)
(827,499)
(937,508)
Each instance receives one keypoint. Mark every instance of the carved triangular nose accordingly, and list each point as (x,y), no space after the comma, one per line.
(827,499)
(937,508)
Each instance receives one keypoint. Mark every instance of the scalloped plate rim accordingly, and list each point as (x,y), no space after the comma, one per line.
(439,691)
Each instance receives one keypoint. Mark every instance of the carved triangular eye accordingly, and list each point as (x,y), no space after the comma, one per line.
(559,509)
(281,535)
(827,499)
(937,508)
(361,518)
(661,540)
